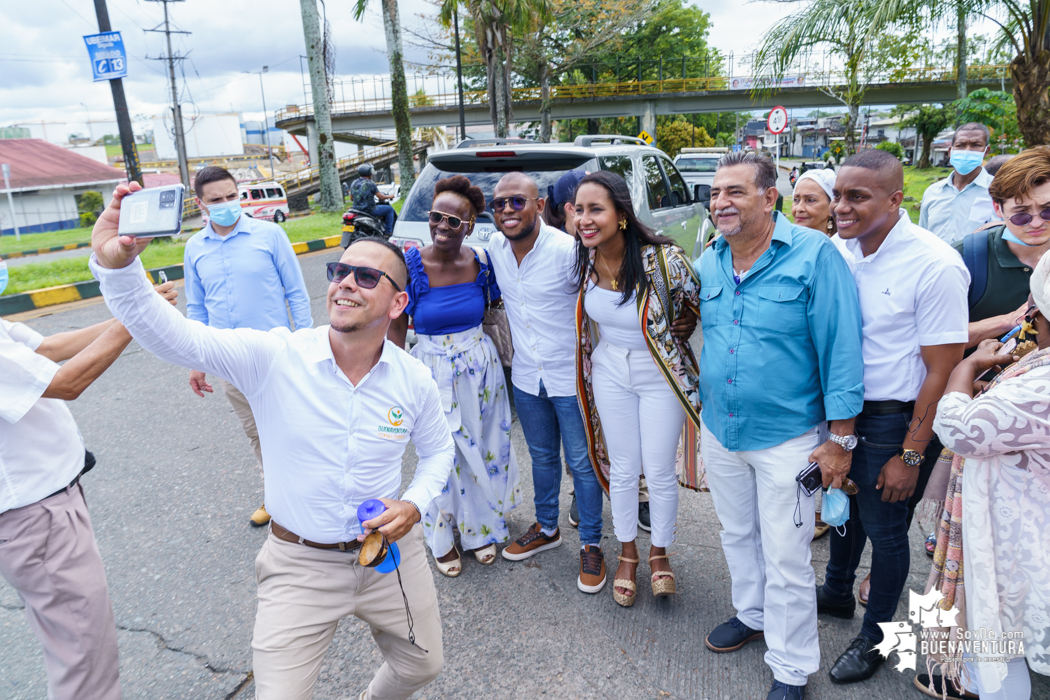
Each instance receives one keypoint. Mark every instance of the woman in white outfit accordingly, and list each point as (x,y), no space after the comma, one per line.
(634,377)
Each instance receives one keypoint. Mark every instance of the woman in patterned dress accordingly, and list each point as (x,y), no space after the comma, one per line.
(1003,436)
(451,284)
(635,376)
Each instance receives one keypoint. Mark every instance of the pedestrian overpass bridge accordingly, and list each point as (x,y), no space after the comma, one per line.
(644,99)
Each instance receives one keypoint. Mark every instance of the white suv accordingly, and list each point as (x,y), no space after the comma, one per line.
(662,200)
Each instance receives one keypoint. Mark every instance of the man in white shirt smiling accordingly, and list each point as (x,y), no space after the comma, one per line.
(534,266)
(335,406)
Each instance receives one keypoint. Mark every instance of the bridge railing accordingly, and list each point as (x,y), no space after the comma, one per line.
(635,88)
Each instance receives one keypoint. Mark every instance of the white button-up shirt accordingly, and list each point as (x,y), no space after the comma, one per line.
(540,299)
(41,450)
(913,293)
(951,214)
(328,446)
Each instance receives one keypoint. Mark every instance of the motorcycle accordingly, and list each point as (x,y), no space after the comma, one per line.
(358,224)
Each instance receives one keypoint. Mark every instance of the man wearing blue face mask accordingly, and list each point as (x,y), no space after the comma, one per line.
(960,204)
(239,273)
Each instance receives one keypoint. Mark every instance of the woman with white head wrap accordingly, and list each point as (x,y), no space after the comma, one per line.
(811,203)
(996,511)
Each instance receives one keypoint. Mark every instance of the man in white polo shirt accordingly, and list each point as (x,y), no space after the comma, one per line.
(960,204)
(336,406)
(47,546)
(912,289)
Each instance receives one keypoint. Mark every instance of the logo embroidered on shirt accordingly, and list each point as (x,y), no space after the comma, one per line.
(395,416)
(887,292)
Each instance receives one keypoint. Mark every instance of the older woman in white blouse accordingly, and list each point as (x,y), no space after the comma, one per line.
(1004,436)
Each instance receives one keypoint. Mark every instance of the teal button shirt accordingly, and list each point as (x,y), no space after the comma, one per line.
(782,349)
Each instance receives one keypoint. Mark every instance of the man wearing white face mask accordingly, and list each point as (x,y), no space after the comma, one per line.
(960,204)
(239,273)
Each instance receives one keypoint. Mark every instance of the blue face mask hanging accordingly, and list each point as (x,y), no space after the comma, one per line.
(834,508)
(3,276)
(1014,239)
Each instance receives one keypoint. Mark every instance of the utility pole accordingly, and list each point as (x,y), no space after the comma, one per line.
(176,109)
(266,124)
(6,169)
(127,137)
(330,196)
(459,72)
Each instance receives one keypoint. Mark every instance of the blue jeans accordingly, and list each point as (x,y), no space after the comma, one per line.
(543,420)
(885,524)
(386,213)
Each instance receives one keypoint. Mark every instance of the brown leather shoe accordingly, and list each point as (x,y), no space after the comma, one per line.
(864,590)
(592,569)
(532,542)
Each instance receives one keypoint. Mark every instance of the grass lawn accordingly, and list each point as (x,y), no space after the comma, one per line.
(33,241)
(915,183)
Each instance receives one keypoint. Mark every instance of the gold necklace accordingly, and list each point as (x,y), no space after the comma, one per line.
(612,277)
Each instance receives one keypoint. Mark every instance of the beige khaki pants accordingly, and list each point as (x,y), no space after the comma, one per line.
(303,594)
(48,554)
(244,415)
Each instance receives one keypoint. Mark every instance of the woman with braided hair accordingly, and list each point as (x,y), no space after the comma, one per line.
(451,285)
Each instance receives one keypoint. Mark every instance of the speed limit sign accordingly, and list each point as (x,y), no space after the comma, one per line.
(778,120)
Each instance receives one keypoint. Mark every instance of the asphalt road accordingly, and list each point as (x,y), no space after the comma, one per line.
(170,501)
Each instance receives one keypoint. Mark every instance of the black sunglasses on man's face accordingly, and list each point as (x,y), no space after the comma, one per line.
(365,277)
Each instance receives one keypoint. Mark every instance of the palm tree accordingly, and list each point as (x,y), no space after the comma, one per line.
(494,24)
(843,27)
(398,89)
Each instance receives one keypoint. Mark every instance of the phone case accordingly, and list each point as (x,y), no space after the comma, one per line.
(152,213)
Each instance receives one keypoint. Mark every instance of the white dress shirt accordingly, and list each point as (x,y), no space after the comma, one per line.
(540,299)
(913,293)
(951,214)
(41,450)
(327,445)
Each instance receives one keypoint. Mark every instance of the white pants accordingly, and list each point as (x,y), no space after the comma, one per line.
(774,587)
(633,399)
(1016,686)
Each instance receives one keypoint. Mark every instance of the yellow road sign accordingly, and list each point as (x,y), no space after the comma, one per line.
(644,136)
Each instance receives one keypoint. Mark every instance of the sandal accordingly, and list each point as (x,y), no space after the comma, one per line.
(486,555)
(663,581)
(622,598)
(451,568)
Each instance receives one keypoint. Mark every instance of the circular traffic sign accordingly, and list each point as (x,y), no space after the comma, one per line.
(778,120)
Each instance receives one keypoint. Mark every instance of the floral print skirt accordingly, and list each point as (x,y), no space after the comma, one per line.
(483,486)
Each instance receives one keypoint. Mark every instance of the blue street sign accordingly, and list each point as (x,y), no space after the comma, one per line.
(108,59)
(736,146)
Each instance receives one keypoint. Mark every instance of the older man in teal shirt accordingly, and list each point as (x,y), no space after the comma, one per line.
(781,359)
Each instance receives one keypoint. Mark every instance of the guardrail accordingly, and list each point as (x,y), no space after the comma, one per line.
(635,88)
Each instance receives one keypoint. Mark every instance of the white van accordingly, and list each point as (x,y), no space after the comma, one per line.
(264,200)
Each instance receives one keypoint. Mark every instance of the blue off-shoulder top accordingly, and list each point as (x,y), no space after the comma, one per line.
(450,309)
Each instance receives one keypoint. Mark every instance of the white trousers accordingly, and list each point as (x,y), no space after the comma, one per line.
(774,587)
(1016,686)
(633,400)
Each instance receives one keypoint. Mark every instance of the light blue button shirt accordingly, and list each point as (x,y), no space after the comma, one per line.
(950,214)
(242,280)
(782,349)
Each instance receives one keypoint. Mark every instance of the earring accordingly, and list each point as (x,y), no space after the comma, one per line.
(831,224)
(623,224)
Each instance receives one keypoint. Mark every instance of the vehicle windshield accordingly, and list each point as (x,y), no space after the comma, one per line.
(697,165)
(422,195)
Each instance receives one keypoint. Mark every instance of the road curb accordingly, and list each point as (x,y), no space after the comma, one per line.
(63,294)
(44,251)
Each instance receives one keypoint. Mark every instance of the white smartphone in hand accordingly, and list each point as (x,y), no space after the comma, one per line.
(152,213)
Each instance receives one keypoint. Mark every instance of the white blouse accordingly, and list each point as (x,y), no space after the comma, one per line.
(617,323)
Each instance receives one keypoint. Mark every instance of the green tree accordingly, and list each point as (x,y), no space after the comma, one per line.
(892,147)
(928,120)
(398,88)
(679,134)
(996,110)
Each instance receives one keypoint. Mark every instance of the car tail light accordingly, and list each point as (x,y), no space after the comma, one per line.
(496,154)
(405,243)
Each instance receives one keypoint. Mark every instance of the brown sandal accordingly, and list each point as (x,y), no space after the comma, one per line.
(622,598)
(663,581)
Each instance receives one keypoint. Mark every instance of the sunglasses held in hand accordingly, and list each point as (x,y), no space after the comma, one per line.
(365,277)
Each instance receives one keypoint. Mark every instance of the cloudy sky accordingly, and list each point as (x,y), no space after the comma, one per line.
(45,73)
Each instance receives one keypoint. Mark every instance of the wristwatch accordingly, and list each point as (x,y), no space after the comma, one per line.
(912,458)
(846,442)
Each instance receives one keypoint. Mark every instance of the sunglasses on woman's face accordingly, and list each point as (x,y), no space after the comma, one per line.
(436,217)
(1024,218)
(365,277)
(517,202)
